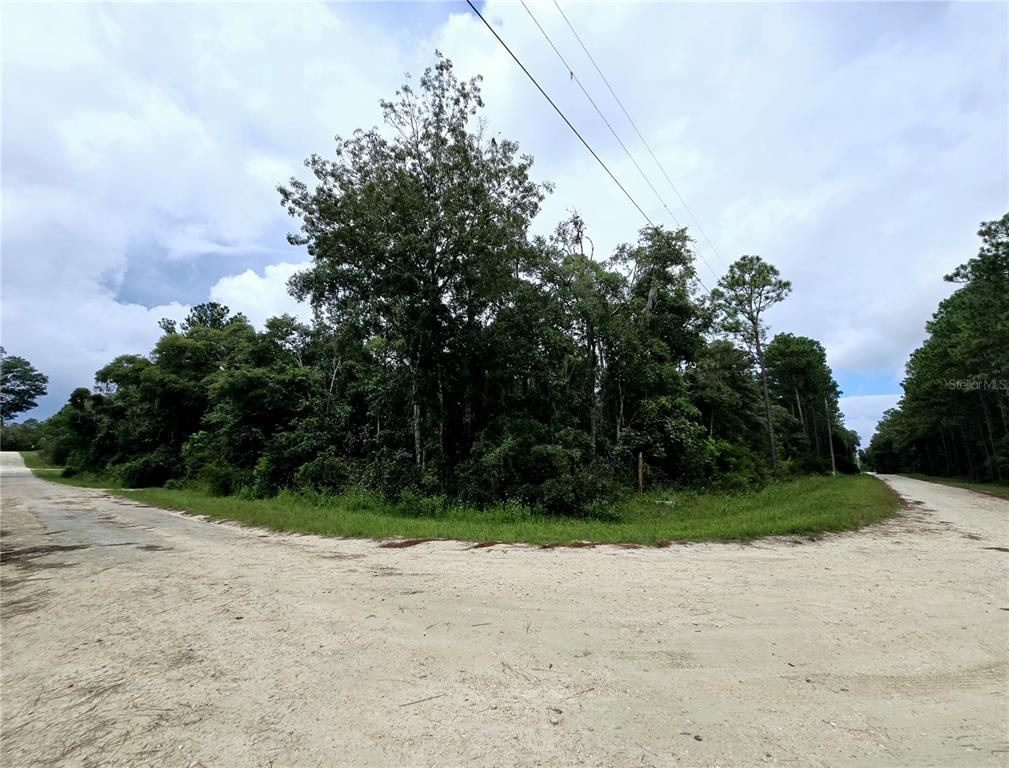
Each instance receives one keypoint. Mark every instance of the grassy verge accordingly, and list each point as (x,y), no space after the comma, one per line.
(807,506)
(993,489)
(33,460)
(42,468)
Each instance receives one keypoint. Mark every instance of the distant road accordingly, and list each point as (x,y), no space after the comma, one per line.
(134,636)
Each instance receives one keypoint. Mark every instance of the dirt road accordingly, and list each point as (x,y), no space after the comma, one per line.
(144,637)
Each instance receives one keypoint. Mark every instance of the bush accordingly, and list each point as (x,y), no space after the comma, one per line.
(197,452)
(20,437)
(550,471)
(154,469)
(580,491)
(263,485)
(390,471)
(220,479)
(325,474)
(413,504)
(738,468)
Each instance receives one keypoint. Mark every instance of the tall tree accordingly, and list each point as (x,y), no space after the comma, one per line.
(450,354)
(800,379)
(744,294)
(425,231)
(20,385)
(954,416)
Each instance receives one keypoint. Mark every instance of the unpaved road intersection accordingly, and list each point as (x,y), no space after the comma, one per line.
(143,637)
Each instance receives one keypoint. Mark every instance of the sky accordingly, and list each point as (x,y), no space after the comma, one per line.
(856,146)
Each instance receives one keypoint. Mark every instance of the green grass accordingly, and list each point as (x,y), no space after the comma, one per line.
(47,471)
(993,489)
(34,460)
(807,506)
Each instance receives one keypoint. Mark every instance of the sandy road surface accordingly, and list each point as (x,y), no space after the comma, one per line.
(166,640)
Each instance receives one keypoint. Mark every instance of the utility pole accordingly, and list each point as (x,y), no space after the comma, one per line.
(830,439)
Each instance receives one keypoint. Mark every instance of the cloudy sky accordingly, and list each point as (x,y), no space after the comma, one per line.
(855,145)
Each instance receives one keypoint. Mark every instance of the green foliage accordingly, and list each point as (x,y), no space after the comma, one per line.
(807,506)
(20,386)
(953,419)
(454,362)
(149,470)
(801,383)
(36,460)
(324,474)
(751,287)
(738,467)
(20,437)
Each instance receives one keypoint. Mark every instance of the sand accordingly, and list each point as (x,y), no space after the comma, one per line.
(133,636)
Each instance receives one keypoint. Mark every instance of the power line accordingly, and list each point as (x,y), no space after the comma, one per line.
(568,122)
(638,132)
(599,112)
(595,106)
(558,110)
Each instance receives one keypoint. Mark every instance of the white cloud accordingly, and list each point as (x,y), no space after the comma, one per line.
(135,133)
(854,146)
(863,412)
(262,297)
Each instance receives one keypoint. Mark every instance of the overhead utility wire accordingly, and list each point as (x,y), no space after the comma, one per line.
(558,110)
(568,122)
(640,136)
(595,106)
(602,117)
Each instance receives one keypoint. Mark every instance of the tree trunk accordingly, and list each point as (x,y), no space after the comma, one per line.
(418,453)
(1002,414)
(969,465)
(830,436)
(816,433)
(802,418)
(991,433)
(590,339)
(441,418)
(767,395)
(945,450)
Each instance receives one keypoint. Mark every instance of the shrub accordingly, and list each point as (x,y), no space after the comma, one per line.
(20,437)
(580,491)
(737,467)
(390,471)
(285,454)
(324,474)
(414,504)
(197,452)
(508,511)
(152,469)
(205,467)
(263,485)
(220,479)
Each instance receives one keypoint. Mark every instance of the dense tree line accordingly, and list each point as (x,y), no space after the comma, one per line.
(452,355)
(21,436)
(954,416)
